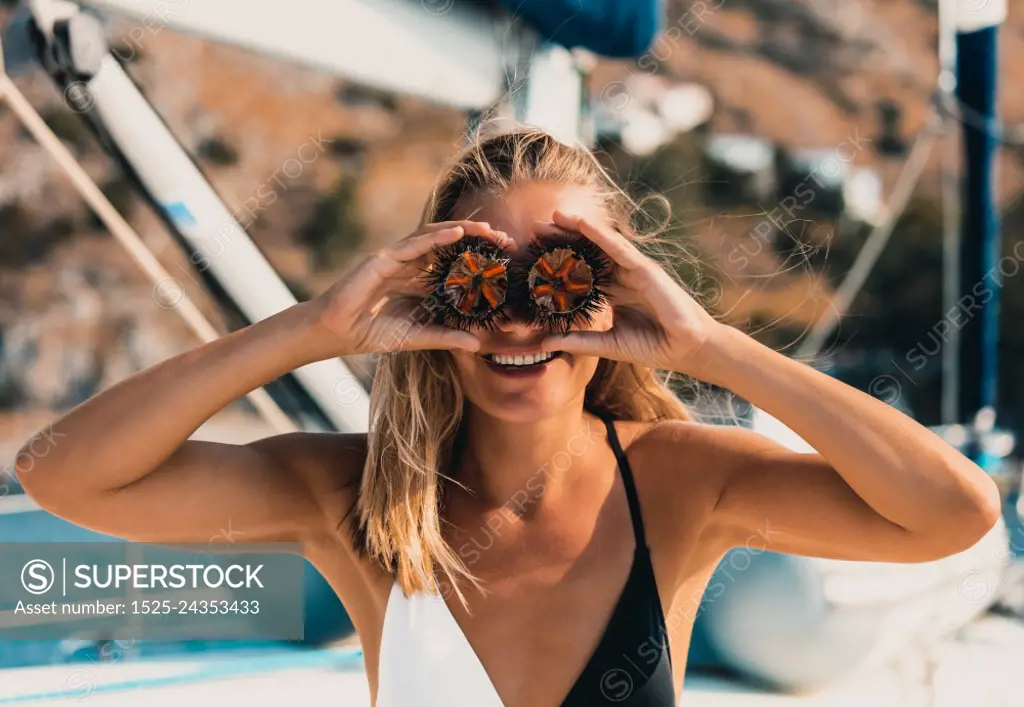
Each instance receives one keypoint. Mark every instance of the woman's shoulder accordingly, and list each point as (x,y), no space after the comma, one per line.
(678,480)
(676,458)
(676,443)
(662,440)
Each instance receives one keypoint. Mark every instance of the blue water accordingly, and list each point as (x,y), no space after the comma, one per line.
(15,654)
(240,661)
(325,618)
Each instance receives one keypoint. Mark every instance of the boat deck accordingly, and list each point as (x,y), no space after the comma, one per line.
(980,668)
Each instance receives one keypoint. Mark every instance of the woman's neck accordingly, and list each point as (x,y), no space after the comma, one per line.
(514,464)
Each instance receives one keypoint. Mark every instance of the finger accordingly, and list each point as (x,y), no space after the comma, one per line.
(419,245)
(584,343)
(547,228)
(440,225)
(617,246)
(470,228)
(436,337)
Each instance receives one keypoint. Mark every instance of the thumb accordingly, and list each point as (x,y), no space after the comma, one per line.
(441,337)
(585,343)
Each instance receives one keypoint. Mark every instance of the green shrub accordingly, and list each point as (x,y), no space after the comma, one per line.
(334,230)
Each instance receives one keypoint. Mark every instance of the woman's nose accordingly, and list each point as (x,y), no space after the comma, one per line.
(517,320)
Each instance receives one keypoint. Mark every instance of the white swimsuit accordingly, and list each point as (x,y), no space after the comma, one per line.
(425,659)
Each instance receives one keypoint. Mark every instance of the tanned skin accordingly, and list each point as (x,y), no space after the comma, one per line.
(881,486)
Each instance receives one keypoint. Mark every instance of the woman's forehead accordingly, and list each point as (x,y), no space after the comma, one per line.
(517,210)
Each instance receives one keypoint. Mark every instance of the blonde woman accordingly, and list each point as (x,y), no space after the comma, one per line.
(530,503)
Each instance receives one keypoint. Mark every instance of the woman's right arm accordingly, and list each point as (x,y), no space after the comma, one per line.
(122,463)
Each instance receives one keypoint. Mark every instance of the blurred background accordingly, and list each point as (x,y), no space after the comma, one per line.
(783,135)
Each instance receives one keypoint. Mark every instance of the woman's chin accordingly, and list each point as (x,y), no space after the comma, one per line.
(524,407)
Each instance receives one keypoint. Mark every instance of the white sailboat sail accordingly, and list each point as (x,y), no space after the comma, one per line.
(450,53)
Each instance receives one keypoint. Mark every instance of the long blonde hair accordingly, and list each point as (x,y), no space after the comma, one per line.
(416,403)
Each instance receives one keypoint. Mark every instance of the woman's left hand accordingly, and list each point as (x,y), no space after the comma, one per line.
(656,322)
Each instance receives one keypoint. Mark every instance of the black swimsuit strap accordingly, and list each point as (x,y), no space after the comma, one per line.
(627,482)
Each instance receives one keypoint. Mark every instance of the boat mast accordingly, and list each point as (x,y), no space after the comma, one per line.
(980,247)
(951,211)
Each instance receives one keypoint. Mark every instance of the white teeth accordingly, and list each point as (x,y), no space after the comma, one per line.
(520,360)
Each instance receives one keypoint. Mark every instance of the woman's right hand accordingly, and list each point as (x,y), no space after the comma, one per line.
(378,305)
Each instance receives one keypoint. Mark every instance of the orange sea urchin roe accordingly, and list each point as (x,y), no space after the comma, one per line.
(476,283)
(560,280)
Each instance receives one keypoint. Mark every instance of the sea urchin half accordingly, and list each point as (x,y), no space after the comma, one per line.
(469,280)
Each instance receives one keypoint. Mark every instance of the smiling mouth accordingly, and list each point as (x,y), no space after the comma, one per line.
(517,361)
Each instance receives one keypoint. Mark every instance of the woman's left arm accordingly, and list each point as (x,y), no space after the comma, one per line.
(882,486)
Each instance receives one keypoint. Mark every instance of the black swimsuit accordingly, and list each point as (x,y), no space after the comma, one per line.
(632,665)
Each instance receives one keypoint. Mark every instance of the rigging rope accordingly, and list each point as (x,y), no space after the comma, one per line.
(875,243)
(127,236)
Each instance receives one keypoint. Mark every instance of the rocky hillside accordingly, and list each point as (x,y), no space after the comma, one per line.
(76,315)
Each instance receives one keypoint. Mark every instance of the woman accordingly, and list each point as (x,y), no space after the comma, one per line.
(513,534)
